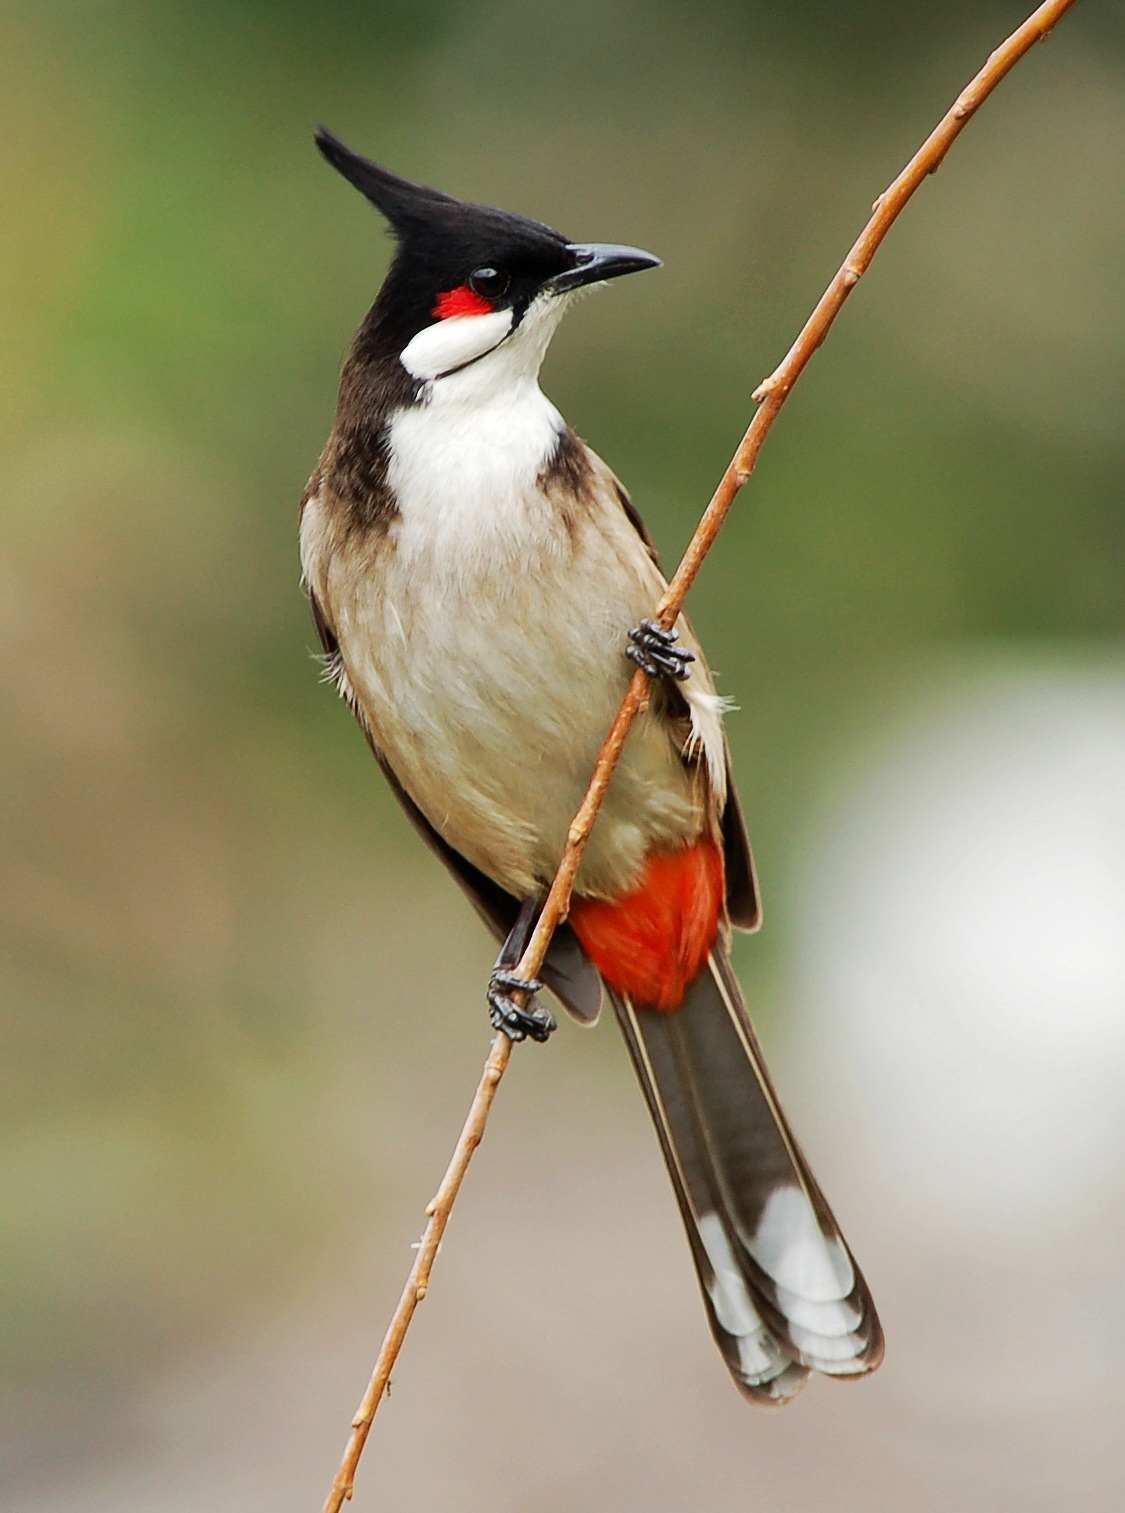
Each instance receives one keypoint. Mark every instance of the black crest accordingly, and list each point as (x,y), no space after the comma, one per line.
(442,241)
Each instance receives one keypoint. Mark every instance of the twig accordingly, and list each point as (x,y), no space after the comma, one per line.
(437,1216)
(769,396)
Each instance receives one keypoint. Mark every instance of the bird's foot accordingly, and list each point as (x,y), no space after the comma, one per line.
(518,1023)
(654,649)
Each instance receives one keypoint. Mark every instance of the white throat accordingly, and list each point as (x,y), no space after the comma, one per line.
(465,459)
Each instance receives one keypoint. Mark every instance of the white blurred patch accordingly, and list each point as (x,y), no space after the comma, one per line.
(958,1055)
(964,949)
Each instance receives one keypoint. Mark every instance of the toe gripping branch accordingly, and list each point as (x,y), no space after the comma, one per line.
(533,1022)
(518,1024)
(654,649)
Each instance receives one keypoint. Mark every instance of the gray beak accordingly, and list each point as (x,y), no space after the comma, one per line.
(594,262)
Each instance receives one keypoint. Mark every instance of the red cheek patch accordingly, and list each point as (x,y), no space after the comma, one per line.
(461,301)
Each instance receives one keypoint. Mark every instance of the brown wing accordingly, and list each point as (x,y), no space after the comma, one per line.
(744,898)
(744,907)
(566,971)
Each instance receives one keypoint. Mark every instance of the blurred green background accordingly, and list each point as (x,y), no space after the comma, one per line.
(213,1054)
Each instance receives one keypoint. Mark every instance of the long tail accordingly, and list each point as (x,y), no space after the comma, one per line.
(783,1293)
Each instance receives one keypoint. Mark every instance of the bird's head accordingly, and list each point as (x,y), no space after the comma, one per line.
(466,279)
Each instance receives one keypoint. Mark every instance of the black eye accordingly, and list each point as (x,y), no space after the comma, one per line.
(490,282)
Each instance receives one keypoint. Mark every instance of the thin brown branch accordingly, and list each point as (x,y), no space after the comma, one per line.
(769,396)
(437,1216)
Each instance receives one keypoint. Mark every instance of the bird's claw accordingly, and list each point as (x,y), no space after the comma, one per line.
(654,649)
(507,1015)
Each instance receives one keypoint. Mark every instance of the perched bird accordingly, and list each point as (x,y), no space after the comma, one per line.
(479,580)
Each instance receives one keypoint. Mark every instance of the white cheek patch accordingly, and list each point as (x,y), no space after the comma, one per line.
(452,343)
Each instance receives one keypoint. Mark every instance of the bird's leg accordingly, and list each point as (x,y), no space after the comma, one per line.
(503,1011)
(654,649)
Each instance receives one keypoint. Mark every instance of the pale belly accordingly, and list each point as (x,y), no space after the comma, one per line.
(489,670)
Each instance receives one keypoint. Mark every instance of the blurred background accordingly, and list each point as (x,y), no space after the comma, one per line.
(225,1098)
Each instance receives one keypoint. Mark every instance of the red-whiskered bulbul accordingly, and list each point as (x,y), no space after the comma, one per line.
(479,580)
